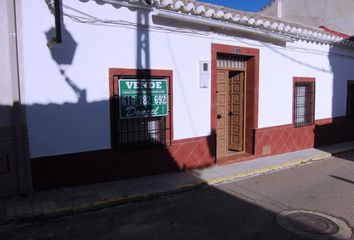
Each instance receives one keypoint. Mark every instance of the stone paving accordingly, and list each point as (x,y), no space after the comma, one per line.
(59,202)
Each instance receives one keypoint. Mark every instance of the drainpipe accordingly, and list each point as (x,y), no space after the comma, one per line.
(23,173)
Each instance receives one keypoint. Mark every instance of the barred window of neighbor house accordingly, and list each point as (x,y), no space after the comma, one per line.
(304,103)
(141,112)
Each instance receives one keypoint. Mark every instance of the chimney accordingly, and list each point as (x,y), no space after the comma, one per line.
(279,8)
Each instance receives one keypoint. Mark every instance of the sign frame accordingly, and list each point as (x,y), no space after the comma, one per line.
(143,80)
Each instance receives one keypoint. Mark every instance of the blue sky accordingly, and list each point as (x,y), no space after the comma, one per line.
(245,5)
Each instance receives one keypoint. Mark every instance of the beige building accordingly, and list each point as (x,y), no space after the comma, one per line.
(337,15)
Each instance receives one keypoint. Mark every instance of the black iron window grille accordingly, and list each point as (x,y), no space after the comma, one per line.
(140,133)
(304,101)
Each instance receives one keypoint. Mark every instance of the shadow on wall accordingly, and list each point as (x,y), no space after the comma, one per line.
(7,145)
(69,128)
(332,130)
(59,129)
(340,128)
(73,127)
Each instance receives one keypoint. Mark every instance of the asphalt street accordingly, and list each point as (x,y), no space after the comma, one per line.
(245,209)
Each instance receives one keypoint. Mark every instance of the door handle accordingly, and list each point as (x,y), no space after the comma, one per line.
(231,113)
(218,116)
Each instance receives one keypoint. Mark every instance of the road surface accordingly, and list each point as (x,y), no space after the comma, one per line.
(244,210)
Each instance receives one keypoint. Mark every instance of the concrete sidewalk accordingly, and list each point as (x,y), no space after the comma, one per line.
(61,202)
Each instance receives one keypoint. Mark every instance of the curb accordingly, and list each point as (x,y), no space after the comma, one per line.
(97,205)
(260,171)
(120,200)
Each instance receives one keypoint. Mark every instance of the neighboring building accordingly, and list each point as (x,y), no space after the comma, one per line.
(137,89)
(337,15)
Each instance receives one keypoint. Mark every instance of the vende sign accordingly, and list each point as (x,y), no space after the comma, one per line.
(143,98)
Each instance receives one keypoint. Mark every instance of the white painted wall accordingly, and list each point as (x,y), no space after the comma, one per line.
(61,122)
(6,99)
(330,66)
(58,122)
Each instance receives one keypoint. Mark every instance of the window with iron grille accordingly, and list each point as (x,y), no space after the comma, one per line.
(304,100)
(139,132)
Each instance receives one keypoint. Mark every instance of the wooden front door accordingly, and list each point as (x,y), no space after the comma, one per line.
(230,109)
(236,105)
(222,113)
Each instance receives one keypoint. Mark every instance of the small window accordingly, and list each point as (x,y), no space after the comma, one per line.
(304,102)
(350,100)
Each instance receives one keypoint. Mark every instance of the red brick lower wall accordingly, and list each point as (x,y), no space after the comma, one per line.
(7,152)
(108,165)
(286,138)
(8,161)
(193,153)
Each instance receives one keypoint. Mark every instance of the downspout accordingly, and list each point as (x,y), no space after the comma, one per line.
(23,170)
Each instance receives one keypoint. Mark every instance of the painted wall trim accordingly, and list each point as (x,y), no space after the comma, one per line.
(252,89)
(288,138)
(141,73)
(317,121)
(304,80)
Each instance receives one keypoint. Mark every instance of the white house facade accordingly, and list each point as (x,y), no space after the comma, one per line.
(144,87)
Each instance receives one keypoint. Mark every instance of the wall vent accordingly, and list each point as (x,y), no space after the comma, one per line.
(267,150)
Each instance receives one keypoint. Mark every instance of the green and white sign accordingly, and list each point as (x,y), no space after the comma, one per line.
(143,98)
